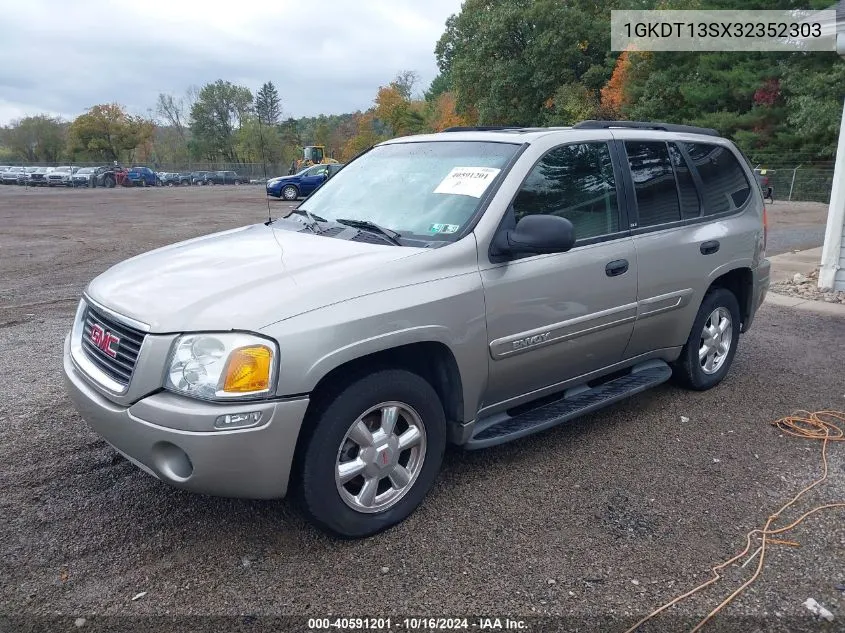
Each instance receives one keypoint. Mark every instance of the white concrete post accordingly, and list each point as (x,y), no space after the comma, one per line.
(832,275)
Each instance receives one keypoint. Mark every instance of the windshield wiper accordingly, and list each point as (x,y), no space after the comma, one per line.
(372,227)
(312,219)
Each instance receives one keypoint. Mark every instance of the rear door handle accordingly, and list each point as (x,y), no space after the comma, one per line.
(708,248)
(616,267)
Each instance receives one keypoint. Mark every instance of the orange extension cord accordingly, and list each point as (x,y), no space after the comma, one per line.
(821,425)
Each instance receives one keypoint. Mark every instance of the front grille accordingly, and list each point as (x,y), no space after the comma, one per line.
(120,367)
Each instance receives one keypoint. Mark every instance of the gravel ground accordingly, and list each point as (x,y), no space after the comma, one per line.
(598,521)
(795,226)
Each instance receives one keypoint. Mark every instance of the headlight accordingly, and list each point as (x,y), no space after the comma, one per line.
(222,366)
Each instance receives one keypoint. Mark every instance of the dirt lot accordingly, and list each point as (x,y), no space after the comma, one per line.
(608,517)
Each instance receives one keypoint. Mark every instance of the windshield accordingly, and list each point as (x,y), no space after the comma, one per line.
(427,190)
(86,170)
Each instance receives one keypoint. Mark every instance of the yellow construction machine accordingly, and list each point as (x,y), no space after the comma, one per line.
(314,155)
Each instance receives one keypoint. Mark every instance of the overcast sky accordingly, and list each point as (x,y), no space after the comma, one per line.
(324,56)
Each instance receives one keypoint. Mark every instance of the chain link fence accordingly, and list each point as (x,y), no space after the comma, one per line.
(801,182)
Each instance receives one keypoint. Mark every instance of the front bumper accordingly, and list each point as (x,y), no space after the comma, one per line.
(163,435)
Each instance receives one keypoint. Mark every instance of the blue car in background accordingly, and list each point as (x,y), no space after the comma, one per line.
(142,177)
(301,184)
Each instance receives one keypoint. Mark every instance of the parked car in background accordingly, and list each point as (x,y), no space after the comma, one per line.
(139,176)
(169,178)
(24,178)
(61,176)
(301,184)
(85,177)
(225,178)
(185,178)
(11,175)
(200,177)
(38,178)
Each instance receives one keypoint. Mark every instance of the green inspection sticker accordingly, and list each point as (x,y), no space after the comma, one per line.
(443,228)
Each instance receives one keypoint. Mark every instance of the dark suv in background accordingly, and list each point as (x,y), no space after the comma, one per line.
(200,177)
(225,178)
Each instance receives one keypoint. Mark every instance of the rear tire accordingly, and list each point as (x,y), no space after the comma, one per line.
(709,351)
(397,461)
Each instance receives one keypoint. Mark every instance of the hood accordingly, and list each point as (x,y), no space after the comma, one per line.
(282,179)
(245,278)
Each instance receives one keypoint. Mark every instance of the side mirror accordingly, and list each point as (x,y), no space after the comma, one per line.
(536,235)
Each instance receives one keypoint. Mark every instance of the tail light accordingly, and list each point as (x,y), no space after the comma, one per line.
(765,228)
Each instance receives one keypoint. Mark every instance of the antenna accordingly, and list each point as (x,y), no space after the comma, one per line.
(264,163)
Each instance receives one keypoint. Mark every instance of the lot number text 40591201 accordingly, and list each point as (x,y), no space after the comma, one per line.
(416,624)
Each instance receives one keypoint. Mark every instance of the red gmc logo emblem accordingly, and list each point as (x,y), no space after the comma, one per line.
(106,341)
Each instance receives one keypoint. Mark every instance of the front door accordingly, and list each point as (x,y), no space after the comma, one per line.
(555,317)
(312,179)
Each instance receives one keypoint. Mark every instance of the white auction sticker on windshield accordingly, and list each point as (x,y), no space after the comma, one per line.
(467,181)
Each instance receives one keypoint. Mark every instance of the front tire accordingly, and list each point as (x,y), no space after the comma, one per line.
(709,351)
(373,453)
(290,192)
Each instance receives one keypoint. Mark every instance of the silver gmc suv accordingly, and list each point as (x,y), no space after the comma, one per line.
(468,287)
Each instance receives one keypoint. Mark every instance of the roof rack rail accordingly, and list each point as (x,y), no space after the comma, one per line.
(645,125)
(482,128)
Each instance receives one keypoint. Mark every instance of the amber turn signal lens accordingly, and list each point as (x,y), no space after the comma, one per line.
(248,370)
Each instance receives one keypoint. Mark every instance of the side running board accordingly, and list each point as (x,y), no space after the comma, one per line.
(574,402)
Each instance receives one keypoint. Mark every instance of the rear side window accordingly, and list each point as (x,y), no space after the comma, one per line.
(725,186)
(654,182)
(690,203)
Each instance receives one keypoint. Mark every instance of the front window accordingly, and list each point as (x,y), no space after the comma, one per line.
(427,190)
(574,182)
(315,171)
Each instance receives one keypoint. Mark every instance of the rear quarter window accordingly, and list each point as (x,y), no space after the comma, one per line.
(725,185)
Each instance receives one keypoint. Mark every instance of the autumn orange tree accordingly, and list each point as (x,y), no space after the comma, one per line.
(402,114)
(365,136)
(613,95)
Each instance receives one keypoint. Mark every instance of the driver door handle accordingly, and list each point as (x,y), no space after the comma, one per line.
(616,267)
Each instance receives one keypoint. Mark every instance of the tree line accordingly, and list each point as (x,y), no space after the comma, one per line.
(223,122)
(508,62)
(548,62)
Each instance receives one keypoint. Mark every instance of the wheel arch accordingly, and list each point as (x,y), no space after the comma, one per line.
(431,359)
(740,281)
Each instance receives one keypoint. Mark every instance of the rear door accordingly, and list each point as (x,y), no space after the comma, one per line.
(684,200)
